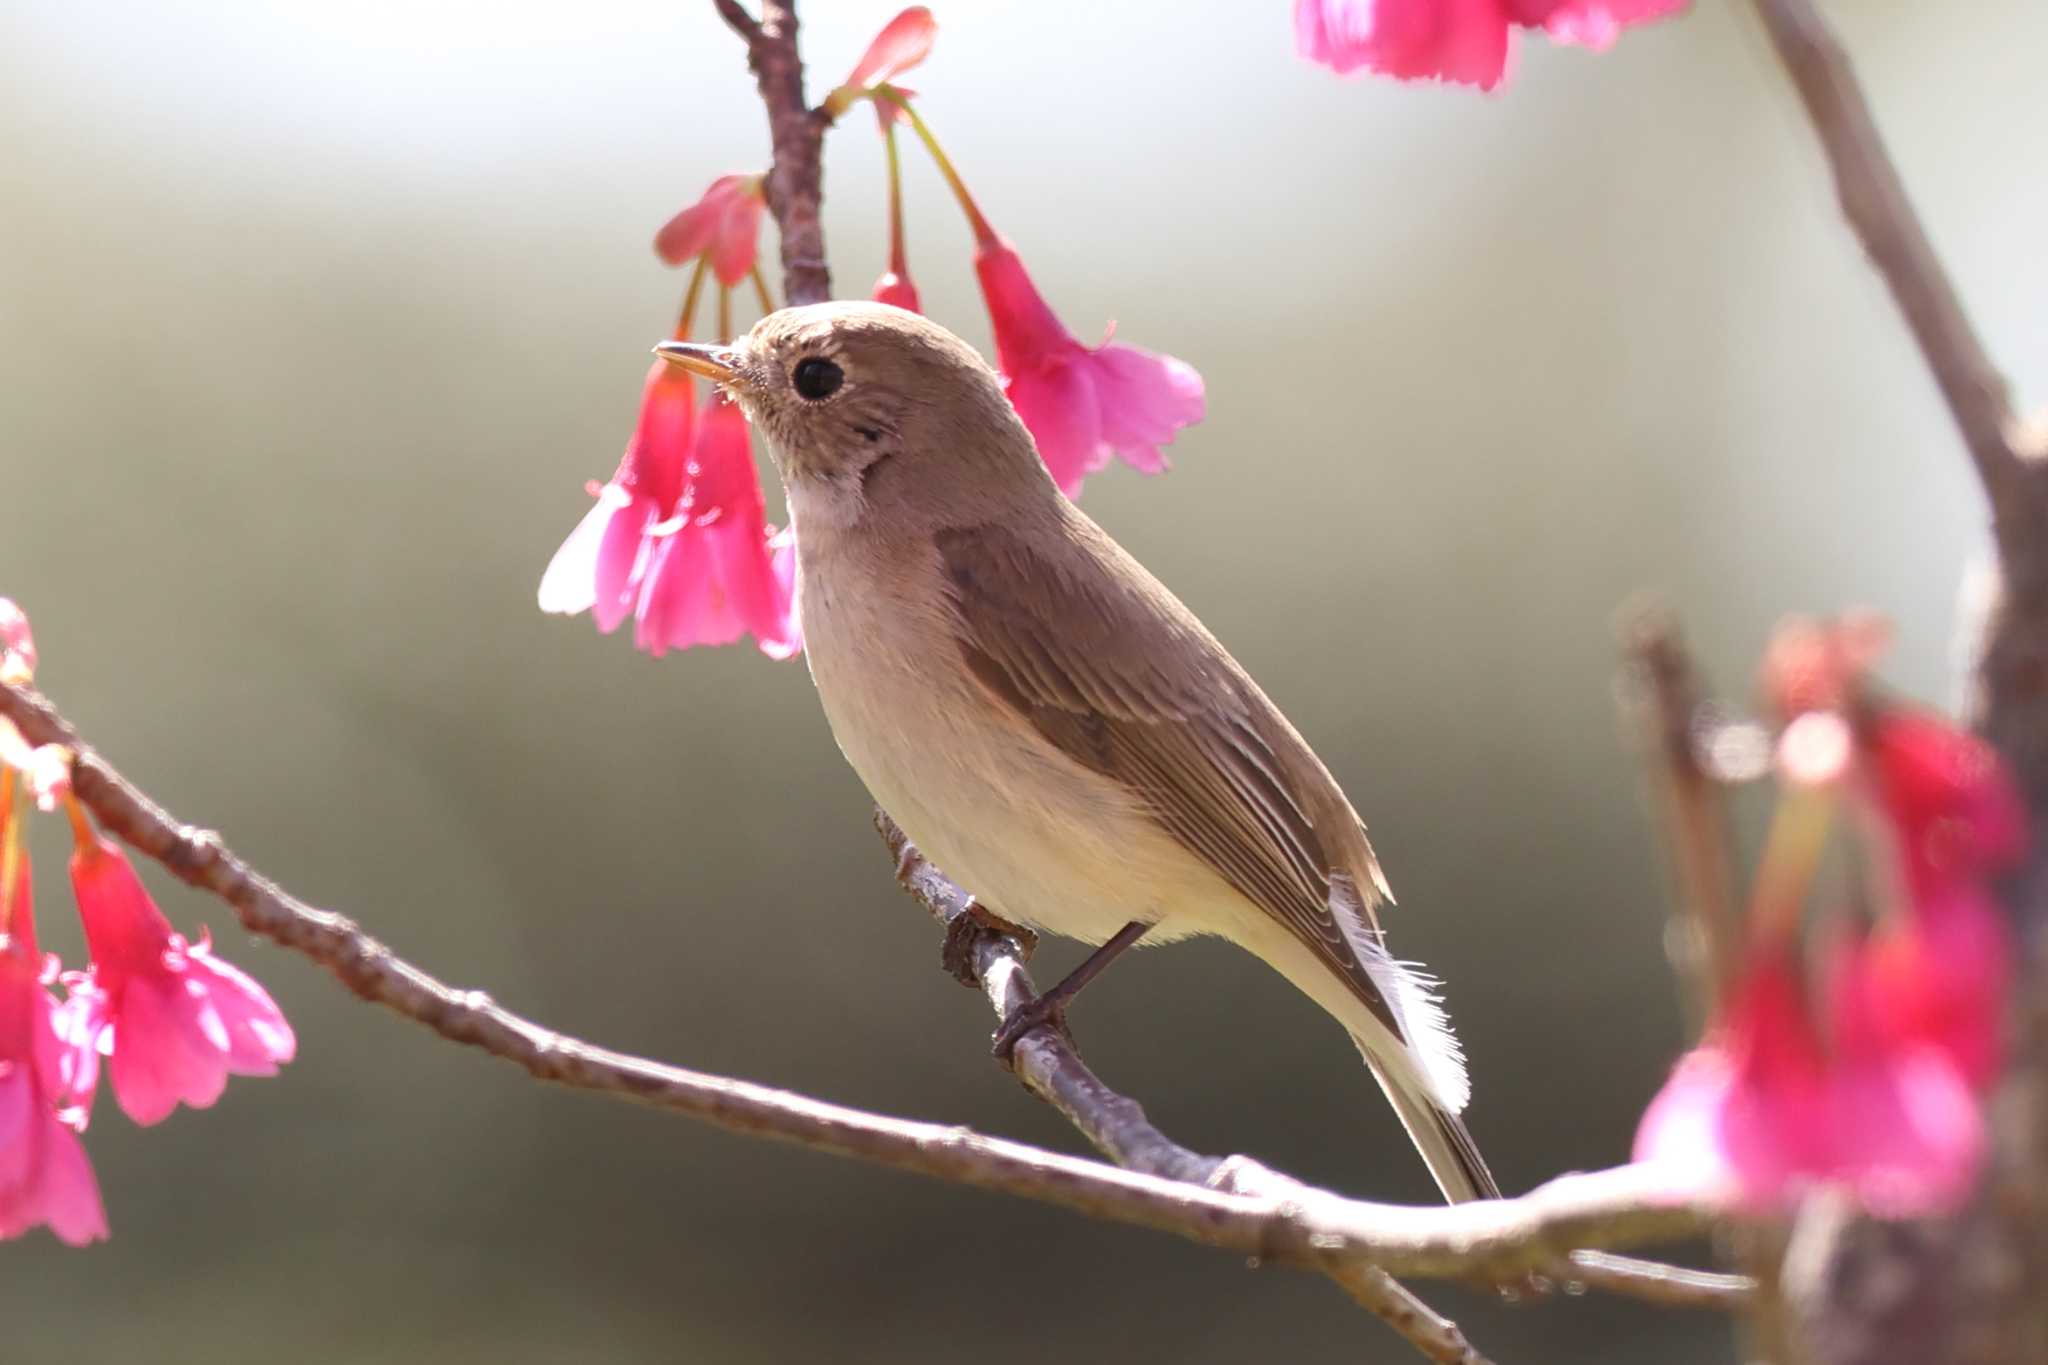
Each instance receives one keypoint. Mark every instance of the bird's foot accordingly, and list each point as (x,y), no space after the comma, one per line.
(965,929)
(1044,1011)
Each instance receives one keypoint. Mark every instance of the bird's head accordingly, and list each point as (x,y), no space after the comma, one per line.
(872,410)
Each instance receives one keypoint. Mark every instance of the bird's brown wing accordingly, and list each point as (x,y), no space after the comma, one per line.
(1111,668)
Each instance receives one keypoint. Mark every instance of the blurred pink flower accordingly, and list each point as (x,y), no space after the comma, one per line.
(716,571)
(1938,974)
(896,287)
(679,539)
(1453,40)
(1957,815)
(724,227)
(46,1082)
(17,644)
(1083,404)
(903,42)
(1763,1110)
(175,1020)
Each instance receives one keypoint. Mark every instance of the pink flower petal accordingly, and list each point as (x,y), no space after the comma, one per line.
(1593,24)
(570,584)
(724,226)
(1145,399)
(1057,402)
(903,42)
(1453,40)
(259,1036)
(169,1046)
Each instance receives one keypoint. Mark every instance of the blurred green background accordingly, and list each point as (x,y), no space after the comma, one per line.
(316,318)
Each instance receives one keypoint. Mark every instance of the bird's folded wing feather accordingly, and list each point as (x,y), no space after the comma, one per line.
(1109,667)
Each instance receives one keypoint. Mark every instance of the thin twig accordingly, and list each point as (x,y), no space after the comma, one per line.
(1294,1224)
(795,185)
(738,20)
(1665,691)
(1874,201)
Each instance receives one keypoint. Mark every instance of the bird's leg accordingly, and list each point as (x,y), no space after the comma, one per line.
(964,929)
(1051,1008)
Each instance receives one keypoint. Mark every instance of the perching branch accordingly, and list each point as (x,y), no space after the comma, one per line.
(1050,1068)
(1290,1223)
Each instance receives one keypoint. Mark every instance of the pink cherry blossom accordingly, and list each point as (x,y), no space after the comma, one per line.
(46,1083)
(600,566)
(724,227)
(1763,1110)
(715,571)
(174,1020)
(1466,41)
(903,42)
(1083,404)
(679,539)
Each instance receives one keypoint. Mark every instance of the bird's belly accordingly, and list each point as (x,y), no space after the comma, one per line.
(1037,837)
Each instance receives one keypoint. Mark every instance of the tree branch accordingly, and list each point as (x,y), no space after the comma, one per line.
(1280,1220)
(797,133)
(1874,201)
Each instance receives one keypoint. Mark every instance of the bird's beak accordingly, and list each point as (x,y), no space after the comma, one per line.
(719,364)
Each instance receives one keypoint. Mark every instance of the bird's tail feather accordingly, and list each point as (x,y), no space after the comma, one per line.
(1440,1135)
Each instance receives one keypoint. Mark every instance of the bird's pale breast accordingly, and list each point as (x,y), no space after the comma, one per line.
(1039,838)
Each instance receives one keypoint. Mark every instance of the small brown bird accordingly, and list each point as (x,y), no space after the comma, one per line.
(1049,723)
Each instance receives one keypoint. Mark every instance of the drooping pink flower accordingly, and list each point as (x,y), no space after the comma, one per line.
(716,571)
(1465,41)
(1083,404)
(1765,1108)
(679,539)
(174,1020)
(46,1083)
(600,567)
(724,227)
(903,42)
(17,644)
(897,288)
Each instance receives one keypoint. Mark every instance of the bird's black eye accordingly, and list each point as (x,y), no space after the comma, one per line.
(816,377)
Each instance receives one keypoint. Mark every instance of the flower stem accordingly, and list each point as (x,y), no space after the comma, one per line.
(983,233)
(724,314)
(688,318)
(898,263)
(761,291)
(82,833)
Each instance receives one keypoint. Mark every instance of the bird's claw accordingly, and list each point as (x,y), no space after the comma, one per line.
(964,931)
(1045,1011)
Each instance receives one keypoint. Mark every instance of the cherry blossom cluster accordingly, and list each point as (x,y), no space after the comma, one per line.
(678,538)
(170,1020)
(1864,1019)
